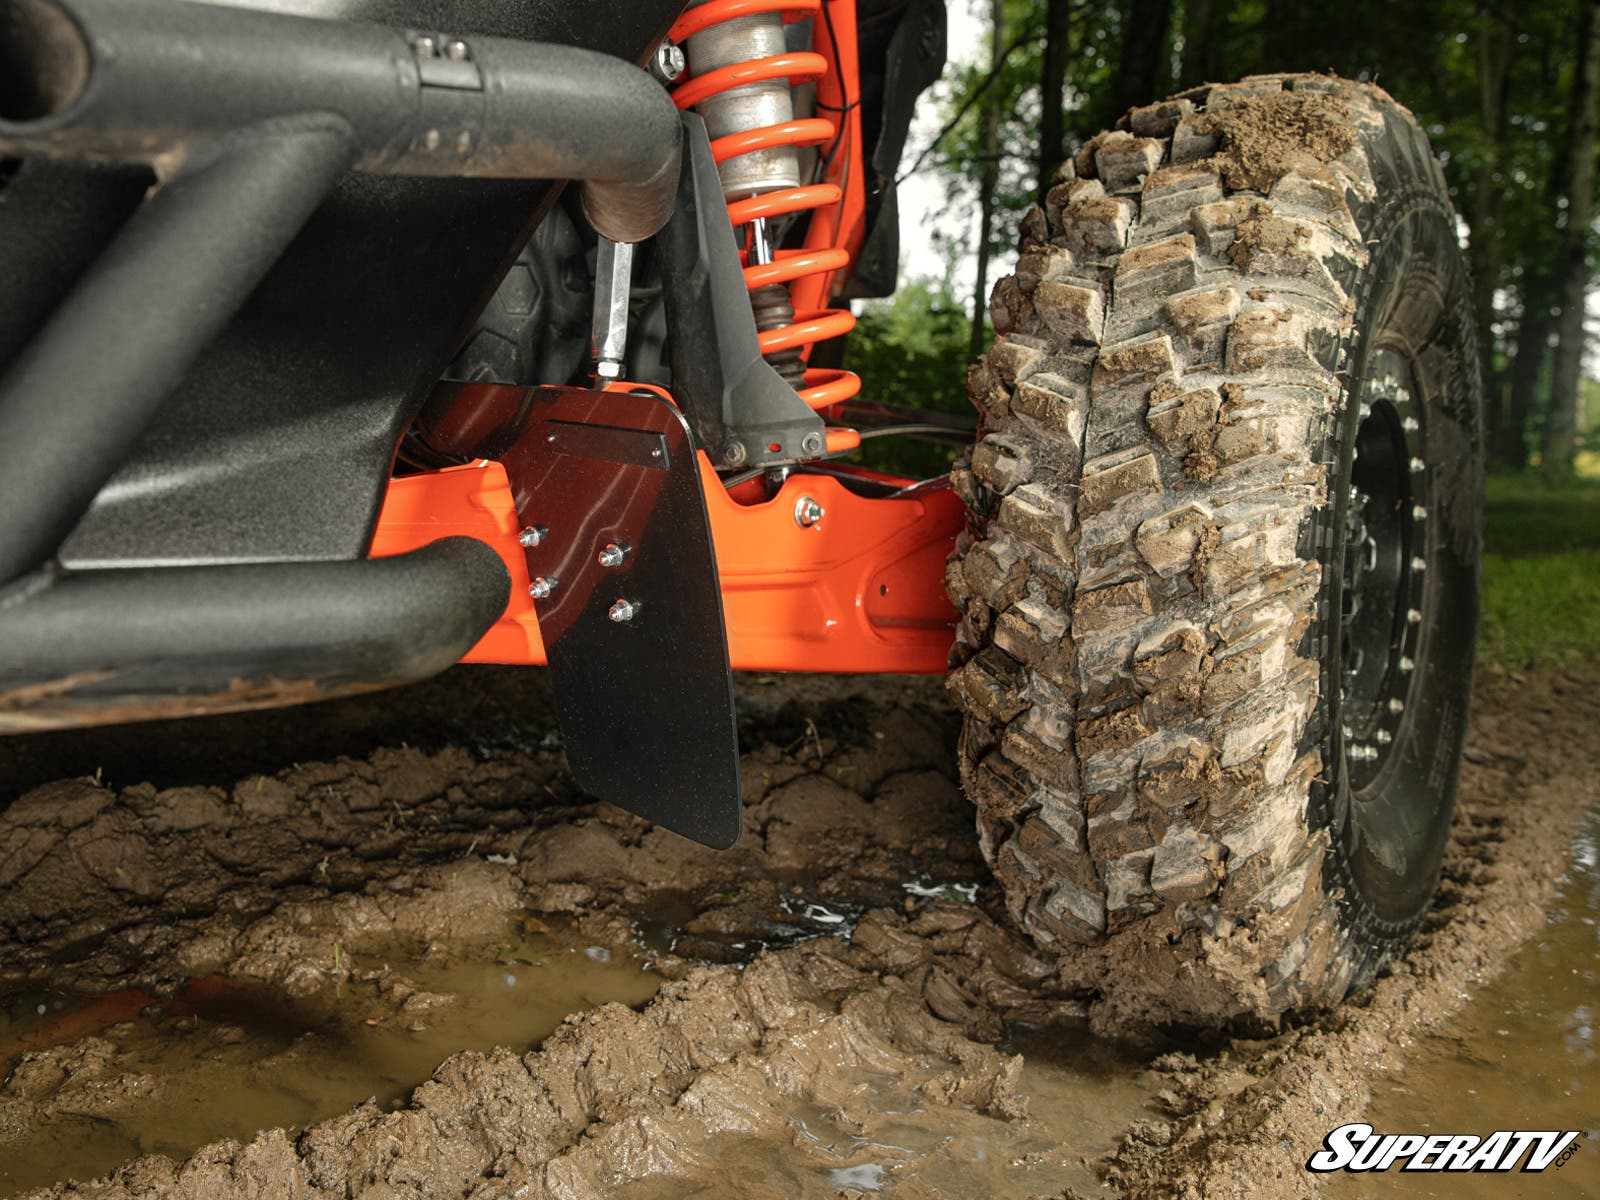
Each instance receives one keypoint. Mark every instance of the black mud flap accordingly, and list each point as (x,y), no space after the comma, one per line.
(625,584)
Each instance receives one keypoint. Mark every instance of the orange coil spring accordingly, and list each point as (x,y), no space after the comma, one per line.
(823,387)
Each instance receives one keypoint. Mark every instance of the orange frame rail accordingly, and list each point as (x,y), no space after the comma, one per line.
(860,590)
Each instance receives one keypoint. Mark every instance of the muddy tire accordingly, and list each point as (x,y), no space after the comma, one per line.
(1219,584)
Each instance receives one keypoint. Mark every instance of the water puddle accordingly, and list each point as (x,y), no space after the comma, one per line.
(132,1076)
(1081,1093)
(1521,1055)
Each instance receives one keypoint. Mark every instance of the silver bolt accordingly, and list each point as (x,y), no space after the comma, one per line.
(623,610)
(464,142)
(1363,753)
(533,535)
(614,554)
(1418,563)
(668,62)
(733,454)
(807,512)
(425,45)
(1348,732)
(1418,466)
(542,586)
(1419,512)
(1413,616)
(457,49)
(1397,706)
(1409,424)
(431,140)
(1407,666)
(1383,737)
(811,443)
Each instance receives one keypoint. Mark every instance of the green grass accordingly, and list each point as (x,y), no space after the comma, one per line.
(1541,573)
(1526,515)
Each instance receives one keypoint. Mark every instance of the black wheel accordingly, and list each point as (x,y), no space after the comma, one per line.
(1220,583)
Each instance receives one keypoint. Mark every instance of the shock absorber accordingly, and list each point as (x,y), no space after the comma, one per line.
(741,80)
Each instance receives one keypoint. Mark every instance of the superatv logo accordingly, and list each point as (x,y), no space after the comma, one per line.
(1355,1147)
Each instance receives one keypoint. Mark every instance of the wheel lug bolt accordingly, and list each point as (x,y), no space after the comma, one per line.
(1397,706)
(1418,466)
(614,554)
(623,610)
(1419,512)
(1409,424)
(533,535)
(1407,665)
(542,586)
(1382,737)
(1413,616)
(1418,563)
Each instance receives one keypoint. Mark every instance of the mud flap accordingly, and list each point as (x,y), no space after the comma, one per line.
(625,586)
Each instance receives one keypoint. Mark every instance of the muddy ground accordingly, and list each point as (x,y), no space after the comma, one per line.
(218,940)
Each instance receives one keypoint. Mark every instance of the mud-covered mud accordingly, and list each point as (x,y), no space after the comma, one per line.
(835,1006)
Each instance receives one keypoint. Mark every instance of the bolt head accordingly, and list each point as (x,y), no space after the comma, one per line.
(811,444)
(1383,737)
(669,61)
(1409,424)
(456,49)
(1397,706)
(1419,512)
(807,512)
(533,535)
(425,45)
(623,610)
(1418,466)
(1407,666)
(733,454)
(1413,616)
(1418,563)
(614,554)
(543,586)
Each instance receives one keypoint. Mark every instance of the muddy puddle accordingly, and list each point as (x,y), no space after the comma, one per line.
(1521,1055)
(223,1058)
(1079,1095)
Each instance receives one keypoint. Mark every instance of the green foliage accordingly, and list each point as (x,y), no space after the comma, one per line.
(1541,574)
(911,350)
(1427,52)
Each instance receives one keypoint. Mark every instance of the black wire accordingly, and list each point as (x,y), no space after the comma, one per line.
(844,110)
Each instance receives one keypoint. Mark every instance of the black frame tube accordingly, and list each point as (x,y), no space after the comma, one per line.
(97,646)
(164,76)
(88,384)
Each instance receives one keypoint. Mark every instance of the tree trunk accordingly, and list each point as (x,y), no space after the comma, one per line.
(1199,63)
(1052,91)
(1526,372)
(1486,247)
(1572,273)
(1144,51)
(989,180)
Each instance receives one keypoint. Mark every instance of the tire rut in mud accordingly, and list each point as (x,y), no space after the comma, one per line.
(619,1099)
